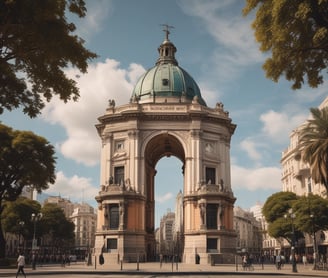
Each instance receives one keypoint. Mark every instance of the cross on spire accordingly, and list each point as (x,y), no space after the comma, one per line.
(167,30)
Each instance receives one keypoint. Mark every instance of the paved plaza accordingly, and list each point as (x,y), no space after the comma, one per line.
(166,270)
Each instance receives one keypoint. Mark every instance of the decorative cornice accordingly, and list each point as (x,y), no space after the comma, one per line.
(166,115)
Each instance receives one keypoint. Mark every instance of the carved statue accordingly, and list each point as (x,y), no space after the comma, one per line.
(219,215)
(221,185)
(111,103)
(195,99)
(202,208)
(128,184)
(121,213)
(219,106)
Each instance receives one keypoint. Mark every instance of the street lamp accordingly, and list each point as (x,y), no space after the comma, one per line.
(35,218)
(291,215)
(314,243)
(21,224)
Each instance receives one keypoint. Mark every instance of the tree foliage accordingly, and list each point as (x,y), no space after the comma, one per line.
(313,141)
(275,211)
(312,213)
(296,33)
(19,211)
(53,226)
(37,43)
(277,205)
(26,160)
(309,215)
(57,226)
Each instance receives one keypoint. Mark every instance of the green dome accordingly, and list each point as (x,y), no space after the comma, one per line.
(166,80)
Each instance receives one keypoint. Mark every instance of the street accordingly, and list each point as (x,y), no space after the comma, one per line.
(154,270)
(173,275)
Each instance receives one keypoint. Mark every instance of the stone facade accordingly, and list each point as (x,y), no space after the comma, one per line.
(296,177)
(135,137)
(84,219)
(249,232)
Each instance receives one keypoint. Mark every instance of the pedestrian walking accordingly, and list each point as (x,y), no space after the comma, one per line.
(101,259)
(20,265)
(278,261)
(304,260)
(262,261)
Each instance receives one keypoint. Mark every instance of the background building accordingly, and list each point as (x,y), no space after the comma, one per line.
(166,235)
(270,245)
(84,219)
(66,205)
(296,177)
(249,233)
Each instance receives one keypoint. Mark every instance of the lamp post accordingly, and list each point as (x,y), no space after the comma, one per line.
(35,218)
(21,224)
(314,243)
(178,249)
(291,215)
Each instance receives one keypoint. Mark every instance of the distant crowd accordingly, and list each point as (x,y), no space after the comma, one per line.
(279,260)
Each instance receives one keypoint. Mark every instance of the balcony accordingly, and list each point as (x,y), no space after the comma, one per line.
(303,172)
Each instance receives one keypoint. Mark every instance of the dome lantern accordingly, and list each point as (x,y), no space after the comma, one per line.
(167,49)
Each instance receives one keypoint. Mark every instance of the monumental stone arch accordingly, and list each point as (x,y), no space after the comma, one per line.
(166,116)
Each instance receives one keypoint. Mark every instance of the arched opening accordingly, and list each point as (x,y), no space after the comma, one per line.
(168,207)
(168,183)
(165,154)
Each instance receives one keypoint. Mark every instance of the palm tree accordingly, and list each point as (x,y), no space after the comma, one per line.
(314,145)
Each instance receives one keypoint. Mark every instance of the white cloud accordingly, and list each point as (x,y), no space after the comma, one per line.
(236,46)
(254,179)
(134,72)
(74,188)
(250,147)
(164,198)
(93,22)
(278,125)
(211,96)
(103,81)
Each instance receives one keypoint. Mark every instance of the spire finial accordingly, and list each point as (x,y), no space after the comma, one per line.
(167,48)
(167,30)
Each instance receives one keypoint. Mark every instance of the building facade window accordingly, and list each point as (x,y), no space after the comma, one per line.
(210,175)
(119,175)
(212,245)
(309,185)
(114,218)
(111,243)
(119,145)
(211,216)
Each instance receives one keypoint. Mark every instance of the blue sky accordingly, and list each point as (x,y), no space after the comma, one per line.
(216,46)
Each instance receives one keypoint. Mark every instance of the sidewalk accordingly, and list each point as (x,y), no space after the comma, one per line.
(155,268)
